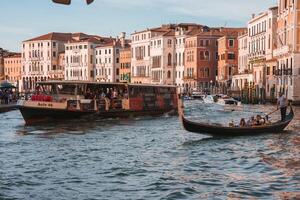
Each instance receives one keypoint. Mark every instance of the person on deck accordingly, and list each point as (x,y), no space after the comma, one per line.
(282,105)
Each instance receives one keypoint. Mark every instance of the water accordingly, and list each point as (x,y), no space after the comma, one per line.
(146,158)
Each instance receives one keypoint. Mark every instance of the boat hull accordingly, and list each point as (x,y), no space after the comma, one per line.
(221,131)
(44,115)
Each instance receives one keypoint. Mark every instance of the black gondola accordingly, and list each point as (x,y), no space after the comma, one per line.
(222,131)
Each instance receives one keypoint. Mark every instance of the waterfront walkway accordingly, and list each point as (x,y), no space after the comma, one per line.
(7,107)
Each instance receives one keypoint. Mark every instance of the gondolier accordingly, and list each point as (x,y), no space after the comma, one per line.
(282,105)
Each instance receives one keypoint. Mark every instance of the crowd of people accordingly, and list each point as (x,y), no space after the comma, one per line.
(253,121)
(110,93)
(7,96)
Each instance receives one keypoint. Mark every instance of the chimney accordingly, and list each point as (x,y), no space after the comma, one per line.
(253,15)
(122,39)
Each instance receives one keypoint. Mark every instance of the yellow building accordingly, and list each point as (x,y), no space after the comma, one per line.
(125,65)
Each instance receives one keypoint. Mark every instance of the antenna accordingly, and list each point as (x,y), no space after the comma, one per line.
(225,24)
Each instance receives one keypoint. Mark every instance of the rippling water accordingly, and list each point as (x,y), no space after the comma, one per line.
(146,158)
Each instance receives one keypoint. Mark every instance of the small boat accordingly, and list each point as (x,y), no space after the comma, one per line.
(218,130)
(228,101)
(209,99)
(197,95)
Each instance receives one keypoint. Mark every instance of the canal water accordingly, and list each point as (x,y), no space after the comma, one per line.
(147,158)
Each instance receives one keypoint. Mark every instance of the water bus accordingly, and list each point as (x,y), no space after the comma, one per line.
(58,100)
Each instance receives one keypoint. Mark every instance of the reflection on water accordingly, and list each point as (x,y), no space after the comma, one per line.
(147,158)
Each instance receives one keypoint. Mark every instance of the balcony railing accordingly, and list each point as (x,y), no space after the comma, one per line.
(281,51)
(280,72)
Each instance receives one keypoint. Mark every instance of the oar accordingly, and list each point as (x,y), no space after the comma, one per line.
(272,112)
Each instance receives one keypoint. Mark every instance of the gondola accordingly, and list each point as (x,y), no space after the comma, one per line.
(223,131)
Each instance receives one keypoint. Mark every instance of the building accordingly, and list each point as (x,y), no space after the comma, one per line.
(181,33)
(3,53)
(125,64)
(261,31)
(140,56)
(271,61)
(257,49)
(244,76)
(80,56)
(108,61)
(162,52)
(40,58)
(228,59)
(12,68)
(201,61)
(287,51)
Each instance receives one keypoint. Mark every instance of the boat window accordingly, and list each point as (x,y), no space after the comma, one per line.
(66,89)
(80,89)
(48,89)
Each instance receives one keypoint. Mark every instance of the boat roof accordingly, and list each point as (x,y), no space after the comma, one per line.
(69,82)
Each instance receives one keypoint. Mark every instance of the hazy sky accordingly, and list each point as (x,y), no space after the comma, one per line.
(24,19)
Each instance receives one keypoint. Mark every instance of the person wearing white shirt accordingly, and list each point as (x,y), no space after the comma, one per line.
(282,104)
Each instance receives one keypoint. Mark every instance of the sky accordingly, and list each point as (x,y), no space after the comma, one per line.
(24,19)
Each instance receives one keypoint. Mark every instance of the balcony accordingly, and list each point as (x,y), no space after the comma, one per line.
(53,72)
(257,54)
(32,73)
(281,51)
(286,72)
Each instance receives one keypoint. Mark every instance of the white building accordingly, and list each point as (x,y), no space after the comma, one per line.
(244,72)
(140,56)
(162,51)
(79,57)
(107,63)
(40,59)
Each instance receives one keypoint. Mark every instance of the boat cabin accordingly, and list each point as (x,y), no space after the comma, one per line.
(103,97)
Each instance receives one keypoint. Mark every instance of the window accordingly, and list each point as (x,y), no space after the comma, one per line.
(117,60)
(207,43)
(54,54)
(85,46)
(206,55)
(54,44)
(231,56)
(169,59)
(169,74)
(231,42)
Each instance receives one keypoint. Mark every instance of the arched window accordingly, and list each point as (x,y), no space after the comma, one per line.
(169,74)
(169,59)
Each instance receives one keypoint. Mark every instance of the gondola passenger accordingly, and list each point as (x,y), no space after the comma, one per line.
(242,122)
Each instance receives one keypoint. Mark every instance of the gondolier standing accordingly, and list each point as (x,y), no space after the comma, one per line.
(282,104)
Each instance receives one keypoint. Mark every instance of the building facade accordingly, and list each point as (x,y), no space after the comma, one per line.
(162,51)
(287,50)
(140,56)
(257,28)
(107,63)
(227,59)
(201,59)
(40,58)
(12,68)
(125,64)
(271,61)
(244,76)
(79,57)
